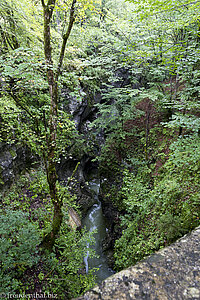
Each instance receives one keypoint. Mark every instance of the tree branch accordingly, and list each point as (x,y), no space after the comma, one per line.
(43,4)
(65,38)
(17,101)
(51,2)
(50,6)
(14,97)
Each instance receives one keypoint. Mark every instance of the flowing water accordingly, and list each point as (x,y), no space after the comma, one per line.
(95,220)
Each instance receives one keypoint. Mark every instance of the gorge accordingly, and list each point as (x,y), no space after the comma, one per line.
(99,129)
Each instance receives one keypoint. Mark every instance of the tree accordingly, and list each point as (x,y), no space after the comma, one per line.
(52,77)
(20,70)
(8,27)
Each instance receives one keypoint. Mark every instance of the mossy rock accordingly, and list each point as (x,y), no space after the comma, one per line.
(1,176)
(13,153)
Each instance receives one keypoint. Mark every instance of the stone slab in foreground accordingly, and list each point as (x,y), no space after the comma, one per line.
(172,273)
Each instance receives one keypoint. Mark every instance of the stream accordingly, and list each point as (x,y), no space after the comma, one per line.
(95,220)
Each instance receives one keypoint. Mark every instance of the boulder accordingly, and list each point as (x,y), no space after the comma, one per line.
(171,273)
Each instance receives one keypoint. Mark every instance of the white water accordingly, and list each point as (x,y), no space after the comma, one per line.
(94,220)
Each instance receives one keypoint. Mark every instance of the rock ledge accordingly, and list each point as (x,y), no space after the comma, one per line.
(171,273)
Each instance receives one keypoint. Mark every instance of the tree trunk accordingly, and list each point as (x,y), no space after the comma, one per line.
(52,78)
(49,239)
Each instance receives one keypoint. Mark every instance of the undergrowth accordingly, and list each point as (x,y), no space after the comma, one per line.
(26,213)
(157,215)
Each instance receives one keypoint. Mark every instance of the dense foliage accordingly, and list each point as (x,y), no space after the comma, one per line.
(152,132)
(135,65)
(156,216)
(26,215)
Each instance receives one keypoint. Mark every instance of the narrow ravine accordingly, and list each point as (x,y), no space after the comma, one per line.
(95,220)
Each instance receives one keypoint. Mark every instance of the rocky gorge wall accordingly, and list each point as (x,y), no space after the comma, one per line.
(13,160)
(171,273)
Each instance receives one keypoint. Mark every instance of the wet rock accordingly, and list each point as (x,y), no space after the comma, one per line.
(85,198)
(77,182)
(111,214)
(13,160)
(82,110)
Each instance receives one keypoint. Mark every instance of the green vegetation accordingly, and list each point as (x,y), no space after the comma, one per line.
(26,215)
(156,216)
(132,68)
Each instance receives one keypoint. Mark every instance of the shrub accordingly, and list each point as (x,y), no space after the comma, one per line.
(158,216)
(19,239)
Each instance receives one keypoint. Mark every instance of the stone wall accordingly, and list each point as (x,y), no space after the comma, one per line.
(170,274)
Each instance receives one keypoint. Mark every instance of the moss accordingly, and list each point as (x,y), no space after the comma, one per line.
(12,152)
(1,176)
